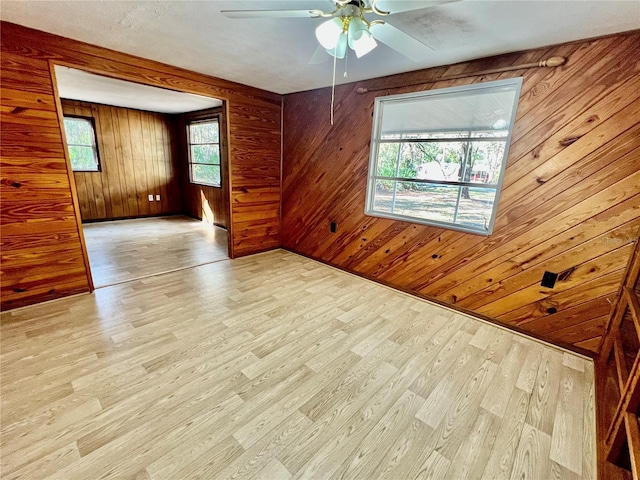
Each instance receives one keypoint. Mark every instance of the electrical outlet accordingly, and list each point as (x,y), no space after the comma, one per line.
(151,198)
(549,279)
(157,198)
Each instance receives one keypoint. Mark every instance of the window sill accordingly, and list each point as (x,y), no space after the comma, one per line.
(206,184)
(428,223)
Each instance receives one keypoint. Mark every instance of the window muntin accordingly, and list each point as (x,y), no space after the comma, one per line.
(438,157)
(81,144)
(203,138)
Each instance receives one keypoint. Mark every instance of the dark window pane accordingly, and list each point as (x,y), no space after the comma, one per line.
(207,174)
(205,154)
(207,132)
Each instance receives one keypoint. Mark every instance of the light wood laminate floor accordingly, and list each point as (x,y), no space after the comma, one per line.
(276,367)
(124,250)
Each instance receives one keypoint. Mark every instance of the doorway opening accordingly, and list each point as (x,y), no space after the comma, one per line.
(151,173)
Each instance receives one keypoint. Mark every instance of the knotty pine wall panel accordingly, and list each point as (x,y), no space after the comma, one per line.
(38,206)
(570,199)
(136,159)
(40,250)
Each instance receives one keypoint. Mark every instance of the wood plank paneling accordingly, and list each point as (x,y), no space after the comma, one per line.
(570,199)
(134,163)
(33,144)
(203,202)
(41,255)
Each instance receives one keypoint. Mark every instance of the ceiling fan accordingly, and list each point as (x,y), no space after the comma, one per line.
(357,24)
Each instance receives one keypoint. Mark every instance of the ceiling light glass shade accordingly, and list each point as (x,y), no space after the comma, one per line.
(328,33)
(340,49)
(364,44)
(356,29)
(360,39)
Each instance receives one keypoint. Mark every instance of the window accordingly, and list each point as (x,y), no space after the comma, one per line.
(81,141)
(438,157)
(204,152)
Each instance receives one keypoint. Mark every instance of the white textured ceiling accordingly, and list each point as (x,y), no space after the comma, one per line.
(273,53)
(79,85)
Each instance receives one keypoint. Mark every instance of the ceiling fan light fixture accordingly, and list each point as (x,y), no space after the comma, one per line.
(340,50)
(329,33)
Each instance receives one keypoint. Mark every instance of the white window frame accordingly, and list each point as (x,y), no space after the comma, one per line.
(376,141)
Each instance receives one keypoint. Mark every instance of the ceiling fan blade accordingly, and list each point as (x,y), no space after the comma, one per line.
(400,41)
(319,56)
(268,13)
(398,6)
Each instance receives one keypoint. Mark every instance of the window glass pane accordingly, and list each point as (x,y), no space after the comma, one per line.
(476,207)
(205,154)
(383,195)
(206,132)
(208,174)
(439,161)
(485,162)
(468,161)
(79,131)
(387,159)
(432,202)
(82,158)
(405,165)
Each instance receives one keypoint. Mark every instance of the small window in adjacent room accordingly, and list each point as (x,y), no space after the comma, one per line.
(438,156)
(203,138)
(81,141)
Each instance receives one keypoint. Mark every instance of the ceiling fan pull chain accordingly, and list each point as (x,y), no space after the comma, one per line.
(346,62)
(333,86)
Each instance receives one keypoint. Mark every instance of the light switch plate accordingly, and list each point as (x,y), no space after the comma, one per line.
(151,198)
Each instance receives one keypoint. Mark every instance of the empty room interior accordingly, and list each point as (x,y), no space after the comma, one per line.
(148,170)
(320,239)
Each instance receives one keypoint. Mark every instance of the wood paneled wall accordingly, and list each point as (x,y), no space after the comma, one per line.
(42,253)
(210,204)
(570,200)
(136,160)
